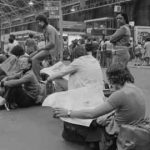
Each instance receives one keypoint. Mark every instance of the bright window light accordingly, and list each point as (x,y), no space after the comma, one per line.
(31,3)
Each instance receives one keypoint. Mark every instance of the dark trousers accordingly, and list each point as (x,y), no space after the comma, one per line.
(2,74)
(93,134)
(16,95)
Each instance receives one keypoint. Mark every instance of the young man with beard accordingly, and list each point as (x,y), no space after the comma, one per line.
(21,89)
(51,45)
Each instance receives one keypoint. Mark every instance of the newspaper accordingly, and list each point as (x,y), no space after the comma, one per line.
(55,68)
(76,99)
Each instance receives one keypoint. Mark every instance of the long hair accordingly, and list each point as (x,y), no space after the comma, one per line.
(125,16)
(118,74)
(42,18)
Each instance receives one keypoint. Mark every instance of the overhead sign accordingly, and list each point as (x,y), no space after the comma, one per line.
(53,8)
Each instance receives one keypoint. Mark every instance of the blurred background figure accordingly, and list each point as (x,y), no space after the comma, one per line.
(12,36)
(147,51)
(30,44)
(10,46)
(102,53)
(108,53)
(95,47)
(138,54)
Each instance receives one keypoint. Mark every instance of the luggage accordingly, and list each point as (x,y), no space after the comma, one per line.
(133,138)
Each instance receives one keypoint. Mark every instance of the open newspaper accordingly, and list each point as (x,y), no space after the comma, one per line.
(55,68)
(76,99)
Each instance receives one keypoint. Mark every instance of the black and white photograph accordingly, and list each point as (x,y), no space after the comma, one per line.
(74,74)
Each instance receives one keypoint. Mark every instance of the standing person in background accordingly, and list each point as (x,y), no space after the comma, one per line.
(102,60)
(12,36)
(142,53)
(31,45)
(95,47)
(52,45)
(108,53)
(138,54)
(147,51)
(121,40)
(9,47)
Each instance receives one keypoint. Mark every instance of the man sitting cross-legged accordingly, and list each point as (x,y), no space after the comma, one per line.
(21,89)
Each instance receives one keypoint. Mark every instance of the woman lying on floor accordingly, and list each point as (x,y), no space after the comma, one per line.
(127,102)
(21,89)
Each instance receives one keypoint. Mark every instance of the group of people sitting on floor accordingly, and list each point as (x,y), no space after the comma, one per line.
(19,85)
(125,105)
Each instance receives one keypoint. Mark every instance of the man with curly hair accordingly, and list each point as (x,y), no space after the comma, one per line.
(127,103)
(51,47)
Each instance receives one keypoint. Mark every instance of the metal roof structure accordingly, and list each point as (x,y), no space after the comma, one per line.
(18,8)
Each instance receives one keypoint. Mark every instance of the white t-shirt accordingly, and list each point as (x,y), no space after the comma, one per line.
(88,72)
(15,43)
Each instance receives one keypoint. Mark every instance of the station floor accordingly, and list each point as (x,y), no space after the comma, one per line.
(35,129)
(32,129)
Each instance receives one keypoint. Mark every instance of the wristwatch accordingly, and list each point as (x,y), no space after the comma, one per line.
(68,113)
